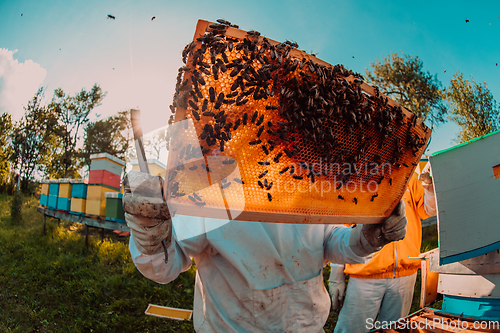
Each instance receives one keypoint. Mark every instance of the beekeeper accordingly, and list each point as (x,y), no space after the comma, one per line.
(384,285)
(251,277)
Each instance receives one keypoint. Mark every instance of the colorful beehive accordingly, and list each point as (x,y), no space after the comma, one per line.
(78,196)
(53,194)
(79,189)
(105,176)
(156,168)
(64,196)
(105,169)
(96,200)
(114,207)
(44,192)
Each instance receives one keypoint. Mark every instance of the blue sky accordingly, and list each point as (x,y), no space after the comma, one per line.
(73,45)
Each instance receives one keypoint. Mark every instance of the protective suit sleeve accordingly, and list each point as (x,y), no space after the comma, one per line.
(344,245)
(179,253)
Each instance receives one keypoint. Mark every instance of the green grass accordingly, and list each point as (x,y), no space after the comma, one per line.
(53,283)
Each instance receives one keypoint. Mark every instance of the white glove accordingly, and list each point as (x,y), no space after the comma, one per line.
(392,229)
(336,285)
(429,194)
(146,213)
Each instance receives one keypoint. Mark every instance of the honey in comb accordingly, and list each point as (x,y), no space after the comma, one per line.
(308,138)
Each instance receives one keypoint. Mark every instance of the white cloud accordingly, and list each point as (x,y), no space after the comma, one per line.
(18,82)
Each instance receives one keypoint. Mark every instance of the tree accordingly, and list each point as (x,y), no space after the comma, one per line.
(155,144)
(403,79)
(33,139)
(472,107)
(73,115)
(5,150)
(107,136)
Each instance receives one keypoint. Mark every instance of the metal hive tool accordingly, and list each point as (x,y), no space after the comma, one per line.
(266,132)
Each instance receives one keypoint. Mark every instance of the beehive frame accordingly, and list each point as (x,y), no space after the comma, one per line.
(224,164)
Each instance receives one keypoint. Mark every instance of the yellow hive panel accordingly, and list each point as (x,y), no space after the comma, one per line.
(96,207)
(96,192)
(65,190)
(311,142)
(78,205)
(45,189)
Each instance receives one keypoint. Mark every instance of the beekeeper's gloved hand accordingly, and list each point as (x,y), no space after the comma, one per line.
(336,285)
(146,213)
(372,237)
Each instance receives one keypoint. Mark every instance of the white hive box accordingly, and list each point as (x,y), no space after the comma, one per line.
(467,183)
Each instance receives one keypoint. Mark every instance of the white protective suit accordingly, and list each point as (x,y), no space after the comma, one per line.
(251,276)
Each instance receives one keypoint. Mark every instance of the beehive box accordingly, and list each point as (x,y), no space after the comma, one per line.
(266,132)
(44,192)
(79,189)
(467,184)
(96,200)
(78,206)
(114,207)
(156,168)
(64,188)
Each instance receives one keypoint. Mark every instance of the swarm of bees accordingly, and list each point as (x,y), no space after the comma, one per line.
(291,116)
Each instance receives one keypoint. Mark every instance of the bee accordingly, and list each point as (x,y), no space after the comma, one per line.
(208,114)
(288,153)
(193,105)
(264,148)
(373,197)
(271,107)
(260,184)
(355,201)
(111,17)
(259,132)
(269,186)
(264,163)
(222,145)
(340,197)
(228,161)
(390,181)
(239,181)
(226,185)
(255,142)
(200,203)
(380,180)
(263,174)
(254,117)
(285,169)
(277,157)
(259,122)
(194,167)
(192,198)
(211,91)
(236,124)
(195,114)
(269,196)
(298,177)
(292,170)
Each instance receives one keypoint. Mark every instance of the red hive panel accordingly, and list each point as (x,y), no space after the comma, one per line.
(271,133)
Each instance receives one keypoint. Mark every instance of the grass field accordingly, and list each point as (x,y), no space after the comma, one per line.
(53,283)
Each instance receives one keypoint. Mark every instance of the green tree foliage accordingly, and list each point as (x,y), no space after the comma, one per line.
(110,136)
(5,150)
(472,107)
(403,79)
(73,116)
(33,139)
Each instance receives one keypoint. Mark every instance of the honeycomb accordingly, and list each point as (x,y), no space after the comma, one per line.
(265,132)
